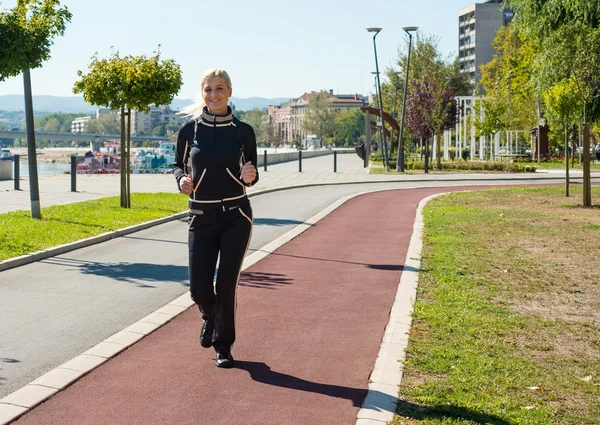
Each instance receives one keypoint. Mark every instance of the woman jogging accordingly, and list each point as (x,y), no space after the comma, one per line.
(214,163)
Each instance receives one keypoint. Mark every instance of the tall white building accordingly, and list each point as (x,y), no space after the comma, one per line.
(477,27)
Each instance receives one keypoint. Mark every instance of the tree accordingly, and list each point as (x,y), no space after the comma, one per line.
(57,122)
(571,56)
(131,82)
(434,95)
(258,120)
(27,33)
(319,119)
(160,130)
(437,79)
(350,127)
(564,109)
(106,123)
(566,32)
(508,83)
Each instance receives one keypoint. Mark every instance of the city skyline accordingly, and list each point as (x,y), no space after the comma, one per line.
(270,49)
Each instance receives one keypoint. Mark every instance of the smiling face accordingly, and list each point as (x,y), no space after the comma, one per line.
(216,94)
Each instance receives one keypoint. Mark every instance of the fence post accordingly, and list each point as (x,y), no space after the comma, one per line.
(335,161)
(300,161)
(73,173)
(17,165)
(265,160)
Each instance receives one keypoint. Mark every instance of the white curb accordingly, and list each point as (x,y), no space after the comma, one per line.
(380,404)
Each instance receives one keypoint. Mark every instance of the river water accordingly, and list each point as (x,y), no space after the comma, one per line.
(45,168)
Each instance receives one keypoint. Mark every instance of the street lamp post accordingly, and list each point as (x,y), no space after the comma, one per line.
(385,157)
(397,74)
(400,162)
(380,142)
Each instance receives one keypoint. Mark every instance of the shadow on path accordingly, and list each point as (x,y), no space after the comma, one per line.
(260,372)
(264,280)
(390,267)
(153,240)
(415,411)
(6,360)
(141,274)
(274,222)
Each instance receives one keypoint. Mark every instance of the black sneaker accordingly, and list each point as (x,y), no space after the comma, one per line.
(206,335)
(224,360)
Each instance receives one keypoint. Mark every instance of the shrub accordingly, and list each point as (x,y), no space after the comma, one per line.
(466,154)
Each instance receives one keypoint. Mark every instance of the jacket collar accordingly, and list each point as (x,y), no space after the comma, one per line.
(210,118)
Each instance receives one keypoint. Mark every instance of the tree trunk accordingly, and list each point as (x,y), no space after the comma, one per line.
(567,160)
(438,162)
(122,168)
(128,170)
(426,156)
(587,182)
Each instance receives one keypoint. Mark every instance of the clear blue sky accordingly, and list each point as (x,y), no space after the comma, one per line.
(270,48)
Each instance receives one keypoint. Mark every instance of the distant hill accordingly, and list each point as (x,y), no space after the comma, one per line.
(75,104)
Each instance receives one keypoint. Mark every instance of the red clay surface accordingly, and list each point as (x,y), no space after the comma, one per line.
(310,318)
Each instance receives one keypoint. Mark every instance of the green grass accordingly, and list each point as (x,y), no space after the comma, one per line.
(506,327)
(20,234)
(560,165)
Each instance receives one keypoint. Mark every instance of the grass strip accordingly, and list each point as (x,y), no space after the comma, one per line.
(20,234)
(506,328)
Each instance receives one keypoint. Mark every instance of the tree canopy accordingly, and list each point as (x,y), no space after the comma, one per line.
(319,119)
(132,81)
(27,33)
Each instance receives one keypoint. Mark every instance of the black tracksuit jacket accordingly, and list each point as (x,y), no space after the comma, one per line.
(213,150)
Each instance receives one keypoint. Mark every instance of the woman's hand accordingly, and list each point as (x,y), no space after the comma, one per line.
(248,173)
(187,185)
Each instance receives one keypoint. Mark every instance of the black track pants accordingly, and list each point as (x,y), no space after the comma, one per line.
(227,235)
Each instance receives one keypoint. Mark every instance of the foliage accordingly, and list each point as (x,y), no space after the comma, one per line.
(56,122)
(319,119)
(105,123)
(563,104)
(27,33)
(508,83)
(571,53)
(487,166)
(430,106)
(541,19)
(349,128)
(134,82)
(259,121)
(240,115)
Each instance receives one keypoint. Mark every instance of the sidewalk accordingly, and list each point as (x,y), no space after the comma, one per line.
(311,319)
(56,189)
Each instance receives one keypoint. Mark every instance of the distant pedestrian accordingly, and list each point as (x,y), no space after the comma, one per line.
(214,163)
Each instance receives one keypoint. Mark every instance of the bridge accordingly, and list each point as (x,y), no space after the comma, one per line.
(76,137)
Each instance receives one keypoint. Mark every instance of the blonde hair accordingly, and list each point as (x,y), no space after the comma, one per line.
(195,109)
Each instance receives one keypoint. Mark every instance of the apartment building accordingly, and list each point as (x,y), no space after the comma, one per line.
(78,124)
(145,122)
(477,27)
(287,118)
